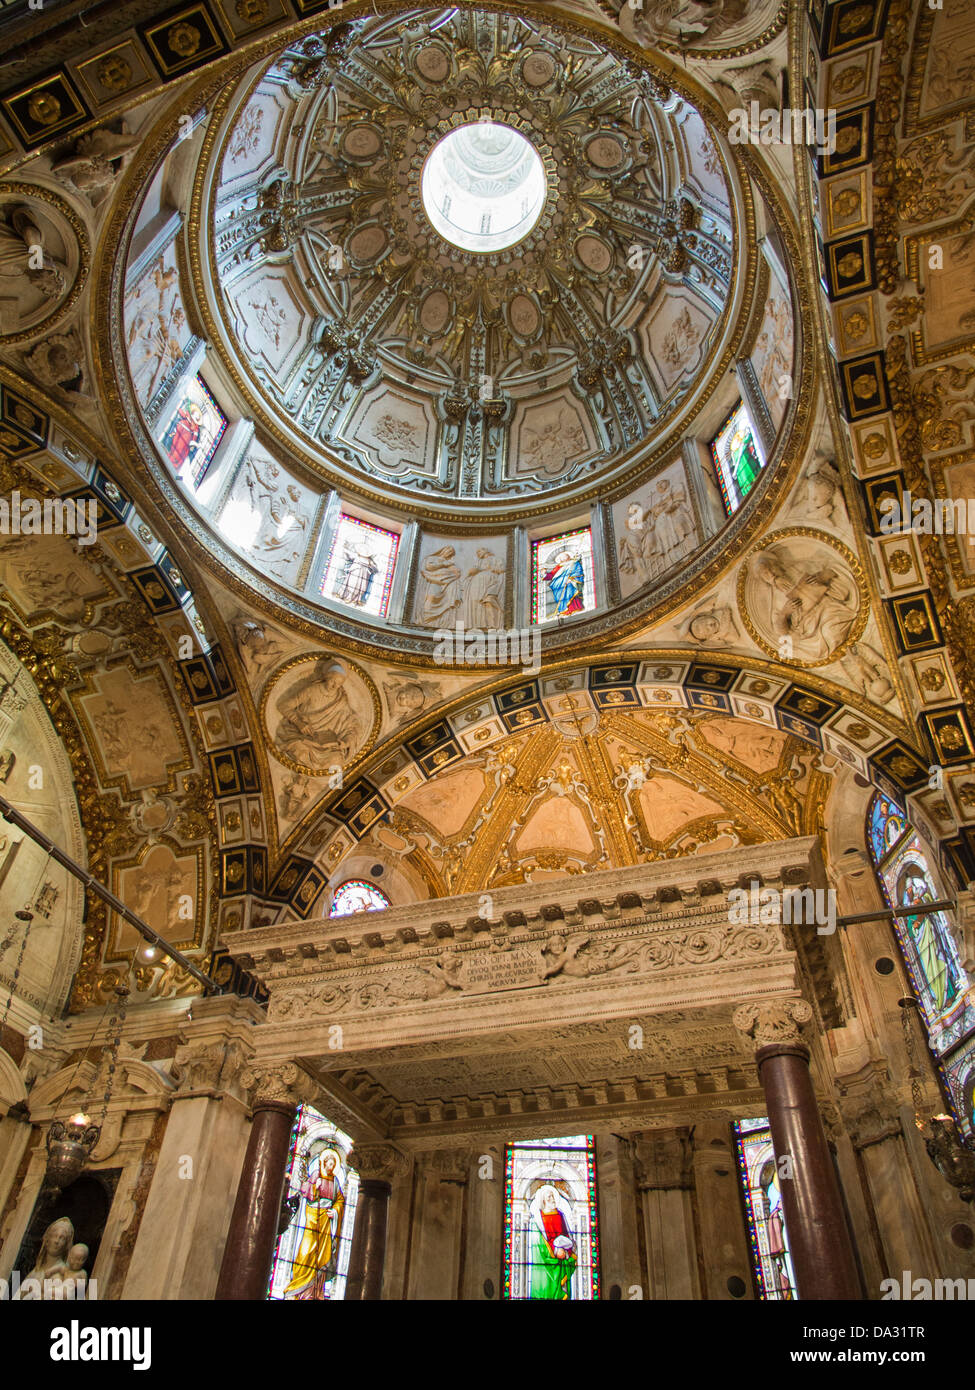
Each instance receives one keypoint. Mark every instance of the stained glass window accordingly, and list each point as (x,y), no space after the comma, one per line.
(925,939)
(887,823)
(311,1259)
(738,458)
(356,895)
(769,1238)
(361,560)
(195,426)
(563,578)
(959,1075)
(551,1224)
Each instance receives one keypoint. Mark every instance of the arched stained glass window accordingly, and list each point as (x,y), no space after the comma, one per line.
(887,825)
(311,1260)
(551,1225)
(925,939)
(356,895)
(769,1239)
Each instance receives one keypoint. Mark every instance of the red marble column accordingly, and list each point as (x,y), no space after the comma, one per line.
(249,1251)
(819,1238)
(376,1165)
(368,1254)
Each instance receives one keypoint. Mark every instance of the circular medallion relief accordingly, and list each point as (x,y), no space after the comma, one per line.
(435,312)
(432,63)
(594,254)
(319,714)
(803,597)
(524,316)
(604,152)
(538,69)
(361,142)
(367,244)
(483,186)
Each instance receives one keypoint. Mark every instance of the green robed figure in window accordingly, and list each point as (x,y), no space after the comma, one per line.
(553,1252)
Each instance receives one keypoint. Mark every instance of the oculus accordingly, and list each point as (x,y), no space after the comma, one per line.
(483,187)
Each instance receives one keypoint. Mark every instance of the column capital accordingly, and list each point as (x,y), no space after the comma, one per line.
(772,1022)
(276,1083)
(663,1161)
(208,1068)
(378,1162)
(451,1164)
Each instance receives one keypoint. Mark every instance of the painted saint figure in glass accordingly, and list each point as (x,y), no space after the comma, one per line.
(323,1198)
(563,575)
(356,895)
(551,1221)
(929,933)
(567,582)
(193,431)
(555,1253)
(311,1259)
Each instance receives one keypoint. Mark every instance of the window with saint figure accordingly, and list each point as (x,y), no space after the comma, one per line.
(356,895)
(551,1225)
(738,458)
(760,1182)
(311,1259)
(925,938)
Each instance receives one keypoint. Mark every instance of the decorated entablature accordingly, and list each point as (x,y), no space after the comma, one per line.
(535,992)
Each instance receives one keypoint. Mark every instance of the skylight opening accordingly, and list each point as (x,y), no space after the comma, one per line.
(483,187)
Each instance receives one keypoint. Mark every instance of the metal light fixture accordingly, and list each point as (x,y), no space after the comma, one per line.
(69,1146)
(952,1155)
(70,1142)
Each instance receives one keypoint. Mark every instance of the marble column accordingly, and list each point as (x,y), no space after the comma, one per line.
(253,1232)
(819,1239)
(664,1177)
(724,1258)
(438,1236)
(181,1238)
(376,1165)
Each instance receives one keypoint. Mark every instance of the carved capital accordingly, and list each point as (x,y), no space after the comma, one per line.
(663,1161)
(767,1022)
(283,1083)
(870,1115)
(450,1165)
(378,1162)
(206,1067)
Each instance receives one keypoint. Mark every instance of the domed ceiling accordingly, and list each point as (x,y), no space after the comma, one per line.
(440,292)
(408,361)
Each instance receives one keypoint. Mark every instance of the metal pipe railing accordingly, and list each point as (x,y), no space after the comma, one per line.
(147,933)
(890,915)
